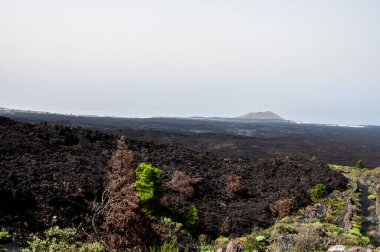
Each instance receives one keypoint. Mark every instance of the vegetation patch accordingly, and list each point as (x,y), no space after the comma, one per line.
(169,245)
(318,192)
(148,184)
(360,164)
(149,188)
(222,239)
(5,237)
(192,218)
(338,204)
(57,239)
(371,197)
(203,245)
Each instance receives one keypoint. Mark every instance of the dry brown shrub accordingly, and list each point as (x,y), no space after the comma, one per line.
(183,183)
(308,238)
(235,186)
(119,221)
(233,246)
(282,207)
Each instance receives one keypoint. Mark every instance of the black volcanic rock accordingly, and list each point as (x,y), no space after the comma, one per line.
(236,137)
(266,180)
(48,171)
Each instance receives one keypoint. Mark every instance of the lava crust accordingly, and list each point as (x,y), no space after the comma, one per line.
(48,171)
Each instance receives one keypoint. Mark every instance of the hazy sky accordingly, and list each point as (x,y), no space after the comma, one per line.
(310,60)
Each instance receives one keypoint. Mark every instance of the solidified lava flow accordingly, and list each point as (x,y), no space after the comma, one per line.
(48,171)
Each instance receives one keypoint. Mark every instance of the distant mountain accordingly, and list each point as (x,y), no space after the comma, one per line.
(268,115)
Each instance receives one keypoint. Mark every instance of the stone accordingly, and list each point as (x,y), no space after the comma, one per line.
(337,248)
(233,247)
(370,248)
(357,249)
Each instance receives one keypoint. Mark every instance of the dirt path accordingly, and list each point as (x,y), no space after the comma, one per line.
(365,204)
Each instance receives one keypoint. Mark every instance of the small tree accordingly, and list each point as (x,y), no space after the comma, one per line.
(192,218)
(119,220)
(314,157)
(360,164)
(318,192)
(149,188)
(148,183)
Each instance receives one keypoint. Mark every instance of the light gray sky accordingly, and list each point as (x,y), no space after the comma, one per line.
(309,60)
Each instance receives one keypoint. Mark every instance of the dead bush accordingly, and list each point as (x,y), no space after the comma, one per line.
(309,238)
(121,163)
(183,183)
(235,186)
(118,221)
(282,207)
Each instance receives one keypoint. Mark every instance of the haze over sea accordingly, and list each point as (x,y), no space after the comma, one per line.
(306,60)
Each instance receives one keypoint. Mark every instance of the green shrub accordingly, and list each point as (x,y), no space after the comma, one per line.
(203,247)
(283,227)
(371,197)
(149,188)
(5,237)
(92,247)
(148,183)
(356,196)
(355,231)
(260,238)
(222,240)
(170,223)
(62,240)
(259,243)
(356,237)
(360,164)
(363,241)
(318,192)
(314,158)
(192,218)
(169,246)
(332,230)
(337,204)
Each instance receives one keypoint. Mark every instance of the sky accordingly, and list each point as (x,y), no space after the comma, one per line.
(306,60)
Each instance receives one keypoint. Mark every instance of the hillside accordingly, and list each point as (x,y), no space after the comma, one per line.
(345,220)
(59,171)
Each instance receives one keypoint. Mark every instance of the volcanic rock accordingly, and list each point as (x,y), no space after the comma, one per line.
(48,171)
